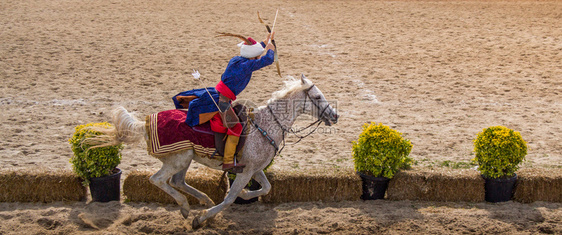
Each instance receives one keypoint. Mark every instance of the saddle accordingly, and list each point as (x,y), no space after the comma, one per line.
(220,138)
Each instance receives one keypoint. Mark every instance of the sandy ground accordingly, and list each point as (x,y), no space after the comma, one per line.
(370,217)
(439,72)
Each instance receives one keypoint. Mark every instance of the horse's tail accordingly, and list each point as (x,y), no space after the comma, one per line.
(126,129)
(129,129)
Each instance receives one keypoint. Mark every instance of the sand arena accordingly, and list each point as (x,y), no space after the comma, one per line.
(437,71)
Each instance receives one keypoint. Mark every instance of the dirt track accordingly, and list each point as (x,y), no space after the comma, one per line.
(372,217)
(439,72)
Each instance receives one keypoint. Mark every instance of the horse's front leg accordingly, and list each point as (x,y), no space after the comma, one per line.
(239,183)
(265,187)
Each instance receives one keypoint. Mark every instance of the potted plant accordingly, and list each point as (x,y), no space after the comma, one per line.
(498,153)
(378,154)
(96,164)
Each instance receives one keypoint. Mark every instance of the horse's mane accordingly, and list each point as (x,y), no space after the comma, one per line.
(292,85)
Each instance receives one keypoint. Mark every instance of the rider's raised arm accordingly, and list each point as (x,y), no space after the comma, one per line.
(265,60)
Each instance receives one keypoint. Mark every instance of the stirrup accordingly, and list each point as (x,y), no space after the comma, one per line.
(233,168)
(236,169)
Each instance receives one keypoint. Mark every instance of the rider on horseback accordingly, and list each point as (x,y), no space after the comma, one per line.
(202,104)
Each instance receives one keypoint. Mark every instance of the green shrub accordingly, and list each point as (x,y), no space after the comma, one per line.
(381,151)
(499,151)
(93,162)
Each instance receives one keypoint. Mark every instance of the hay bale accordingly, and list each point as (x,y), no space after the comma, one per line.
(437,185)
(40,186)
(313,185)
(138,188)
(538,185)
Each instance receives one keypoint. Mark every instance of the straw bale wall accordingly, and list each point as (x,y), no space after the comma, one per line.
(138,188)
(40,186)
(437,185)
(538,185)
(313,185)
(440,184)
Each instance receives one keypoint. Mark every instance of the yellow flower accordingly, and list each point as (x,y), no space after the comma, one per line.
(498,151)
(381,151)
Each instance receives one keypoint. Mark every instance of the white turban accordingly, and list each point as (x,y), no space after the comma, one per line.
(250,51)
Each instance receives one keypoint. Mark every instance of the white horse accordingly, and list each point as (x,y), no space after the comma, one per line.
(297,97)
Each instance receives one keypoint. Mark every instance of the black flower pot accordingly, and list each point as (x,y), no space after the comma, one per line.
(254,185)
(373,187)
(106,188)
(499,190)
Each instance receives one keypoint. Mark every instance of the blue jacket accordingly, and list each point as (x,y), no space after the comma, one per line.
(236,77)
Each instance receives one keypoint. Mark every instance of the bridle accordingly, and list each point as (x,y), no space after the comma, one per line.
(285,130)
(315,104)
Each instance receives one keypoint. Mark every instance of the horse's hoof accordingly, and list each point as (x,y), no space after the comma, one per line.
(196,224)
(184,213)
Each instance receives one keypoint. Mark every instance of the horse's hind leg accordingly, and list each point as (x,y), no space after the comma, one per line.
(172,165)
(178,181)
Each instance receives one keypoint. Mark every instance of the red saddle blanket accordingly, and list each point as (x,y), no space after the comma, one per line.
(168,134)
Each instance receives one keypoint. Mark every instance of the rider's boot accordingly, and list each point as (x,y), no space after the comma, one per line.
(229,151)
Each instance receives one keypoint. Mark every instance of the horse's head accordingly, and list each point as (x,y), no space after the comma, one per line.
(316,104)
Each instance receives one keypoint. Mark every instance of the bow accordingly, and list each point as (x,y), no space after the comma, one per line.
(276,55)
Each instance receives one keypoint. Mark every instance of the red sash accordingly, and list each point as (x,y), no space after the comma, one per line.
(224,90)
